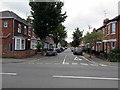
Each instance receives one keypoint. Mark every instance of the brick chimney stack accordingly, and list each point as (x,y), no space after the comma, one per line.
(105,21)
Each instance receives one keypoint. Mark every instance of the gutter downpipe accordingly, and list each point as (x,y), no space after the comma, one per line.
(13,44)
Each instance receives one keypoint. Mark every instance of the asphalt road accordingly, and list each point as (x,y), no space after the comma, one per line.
(62,71)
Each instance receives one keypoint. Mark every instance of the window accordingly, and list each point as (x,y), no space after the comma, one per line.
(113,28)
(5,24)
(29,33)
(17,44)
(105,47)
(23,44)
(108,30)
(25,30)
(19,28)
(113,45)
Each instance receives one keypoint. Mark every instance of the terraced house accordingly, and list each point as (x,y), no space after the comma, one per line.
(111,35)
(18,38)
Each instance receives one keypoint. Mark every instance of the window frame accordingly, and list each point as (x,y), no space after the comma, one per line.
(113,28)
(19,28)
(5,24)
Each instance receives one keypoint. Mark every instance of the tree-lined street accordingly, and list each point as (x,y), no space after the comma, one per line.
(62,71)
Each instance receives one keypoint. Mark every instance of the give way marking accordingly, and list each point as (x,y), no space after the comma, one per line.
(82,77)
(77,59)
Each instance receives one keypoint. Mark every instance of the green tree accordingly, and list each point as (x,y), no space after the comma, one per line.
(63,43)
(59,34)
(77,37)
(92,38)
(46,17)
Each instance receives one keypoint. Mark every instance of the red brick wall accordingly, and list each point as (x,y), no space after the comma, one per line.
(5,32)
(19,54)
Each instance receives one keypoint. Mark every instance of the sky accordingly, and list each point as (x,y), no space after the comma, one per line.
(81,13)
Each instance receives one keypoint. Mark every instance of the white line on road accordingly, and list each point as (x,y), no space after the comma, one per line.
(77,59)
(66,63)
(83,63)
(74,63)
(14,74)
(103,65)
(39,63)
(64,59)
(57,63)
(82,77)
(48,63)
(94,64)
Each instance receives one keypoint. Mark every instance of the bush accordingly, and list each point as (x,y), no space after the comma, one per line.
(114,55)
(39,46)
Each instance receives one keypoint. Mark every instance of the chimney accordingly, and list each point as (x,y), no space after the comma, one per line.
(105,21)
(28,20)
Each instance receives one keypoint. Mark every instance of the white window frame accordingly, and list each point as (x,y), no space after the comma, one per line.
(21,48)
(113,28)
(5,24)
(108,30)
(112,45)
(19,28)
(25,30)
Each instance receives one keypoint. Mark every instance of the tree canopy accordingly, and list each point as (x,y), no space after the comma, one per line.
(47,15)
(77,37)
(59,34)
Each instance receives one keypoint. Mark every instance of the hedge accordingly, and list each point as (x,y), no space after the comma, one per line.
(114,57)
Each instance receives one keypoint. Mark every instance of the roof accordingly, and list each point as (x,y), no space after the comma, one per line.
(114,19)
(10,14)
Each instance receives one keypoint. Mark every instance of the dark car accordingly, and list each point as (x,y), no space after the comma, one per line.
(58,50)
(62,49)
(51,52)
(77,51)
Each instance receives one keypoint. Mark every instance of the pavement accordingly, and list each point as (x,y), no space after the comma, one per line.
(96,60)
(12,60)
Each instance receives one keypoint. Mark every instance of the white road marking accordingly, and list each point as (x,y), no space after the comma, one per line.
(64,59)
(39,63)
(83,77)
(103,65)
(66,63)
(48,63)
(83,63)
(74,63)
(94,64)
(14,74)
(77,59)
(57,63)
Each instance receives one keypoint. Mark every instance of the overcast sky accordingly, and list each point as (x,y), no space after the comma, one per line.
(81,13)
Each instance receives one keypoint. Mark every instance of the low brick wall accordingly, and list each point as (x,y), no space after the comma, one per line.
(19,54)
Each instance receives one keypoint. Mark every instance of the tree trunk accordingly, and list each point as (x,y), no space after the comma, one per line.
(90,52)
(42,51)
(56,45)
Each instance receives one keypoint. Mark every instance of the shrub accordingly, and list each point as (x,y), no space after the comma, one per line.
(114,55)
(39,46)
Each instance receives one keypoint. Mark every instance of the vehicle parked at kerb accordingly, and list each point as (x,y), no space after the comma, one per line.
(58,50)
(51,52)
(77,51)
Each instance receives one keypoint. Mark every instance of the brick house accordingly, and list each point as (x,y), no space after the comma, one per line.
(15,35)
(111,35)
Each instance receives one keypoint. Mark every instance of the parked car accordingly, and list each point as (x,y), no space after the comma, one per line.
(58,50)
(72,48)
(62,49)
(51,52)
(77,51)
